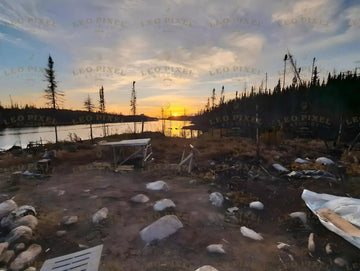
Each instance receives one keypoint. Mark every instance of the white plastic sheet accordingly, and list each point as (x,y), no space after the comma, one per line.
(347,208)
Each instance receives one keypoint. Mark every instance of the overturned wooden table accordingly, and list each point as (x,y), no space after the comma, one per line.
(142,149)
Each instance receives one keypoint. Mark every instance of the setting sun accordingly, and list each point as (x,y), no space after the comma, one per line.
(175,114)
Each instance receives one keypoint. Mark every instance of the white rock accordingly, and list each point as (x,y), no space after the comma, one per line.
(22,232)
(216,248)
(311,243)
(192,182)
(256,205)
(283,246)
(301,161)
(26,257)
(157,186)
(161,228)
(206,268)
(100,215)
(6,207)
(30,269)
(280,168)
(140,198)
(324,160)
(300,215)
(24,210)
(69,220)
(340,262)
(232,209)
(328,248)
(216,199)
(163,204)
(250,233)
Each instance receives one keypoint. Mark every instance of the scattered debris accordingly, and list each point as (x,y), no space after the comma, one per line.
(216,199)
(140,198)
(256,205)
(163,204)
(157,186)
(216,248)
(280,168)
(161,228)
(100,215)
(250,233)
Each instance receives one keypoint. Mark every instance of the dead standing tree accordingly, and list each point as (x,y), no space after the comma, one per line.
(52,95)
(89,106)
(102,107)
(133,104)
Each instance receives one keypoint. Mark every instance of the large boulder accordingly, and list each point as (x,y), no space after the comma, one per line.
(161,228)
(163,204)
(6,207)
(26,257)
(157,186)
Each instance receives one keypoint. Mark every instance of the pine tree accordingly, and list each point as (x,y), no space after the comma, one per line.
(52,95)
(133,104)
(89,106)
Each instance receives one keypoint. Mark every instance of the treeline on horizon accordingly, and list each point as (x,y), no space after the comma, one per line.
(309,109)
(30,116)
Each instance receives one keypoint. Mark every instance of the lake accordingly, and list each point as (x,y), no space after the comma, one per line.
(22,136)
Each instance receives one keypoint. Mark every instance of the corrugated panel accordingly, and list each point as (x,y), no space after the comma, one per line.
(84,260)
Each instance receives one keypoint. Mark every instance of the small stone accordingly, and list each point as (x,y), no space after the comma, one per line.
(31,268)
(216,199)
(216,248)
(299,215)
(340,262)
(206,268)
(26,257)
(192,182)
(140,198)
(283,246)
(328,248)
(61,192)
(311,243)
(60,233)
(232,209)
(86,190)
(249,233)
(163,204)
(256,205)
(19,247)
(69,220)
(100,215)
(7,256)
(83,246)
(157,186)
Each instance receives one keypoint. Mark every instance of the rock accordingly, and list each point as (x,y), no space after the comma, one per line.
(26,257)
(206,268)
(299,215)
(157,186)
(216,199)
(324,161)
(19,247)
(301,161)
(6,207)
(340,262)
(61,192)
(163,204)
(30,269)
(216,248)
(60,233)
(250,233)
(192,182)
(161,228)
(29,221)
(215,218)
(256,205)
(311,243)
(69,220)
(283,246)
(24,210)
(3,247)
(280,168)
(328,248)
(100,215)
(140,198)
(21,232)
(7,256)
(232,209)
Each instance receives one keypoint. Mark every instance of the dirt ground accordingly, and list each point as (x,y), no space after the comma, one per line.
(78,188)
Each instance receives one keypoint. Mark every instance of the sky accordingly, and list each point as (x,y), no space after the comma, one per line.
(176,51)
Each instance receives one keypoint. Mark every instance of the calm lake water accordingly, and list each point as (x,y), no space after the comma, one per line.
(22,136)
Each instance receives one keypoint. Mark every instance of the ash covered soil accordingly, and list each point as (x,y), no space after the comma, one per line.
(78,188)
